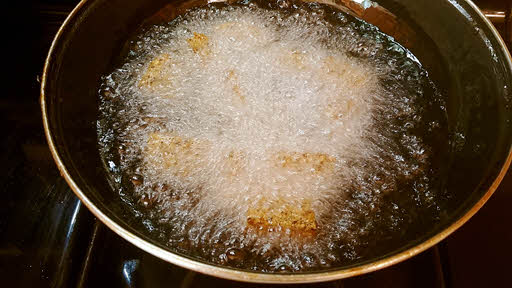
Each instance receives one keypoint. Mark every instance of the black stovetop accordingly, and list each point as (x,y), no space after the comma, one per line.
(49,239)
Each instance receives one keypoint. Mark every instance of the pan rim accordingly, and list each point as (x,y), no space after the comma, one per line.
(246,276)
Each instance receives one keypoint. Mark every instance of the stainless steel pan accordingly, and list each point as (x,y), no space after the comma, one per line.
(462,51)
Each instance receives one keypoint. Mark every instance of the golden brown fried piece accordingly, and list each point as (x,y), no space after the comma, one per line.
(234,163)
(298,59)
(356,80)
(341,109)
(199,44)
(155,75)
(354,73)
(172,153)
(282,215)
(232,80)
(295,59)
(183,157)
(306,162)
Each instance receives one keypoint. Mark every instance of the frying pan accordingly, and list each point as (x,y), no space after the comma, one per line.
(463,53)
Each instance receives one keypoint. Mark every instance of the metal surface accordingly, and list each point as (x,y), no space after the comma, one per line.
(242,275)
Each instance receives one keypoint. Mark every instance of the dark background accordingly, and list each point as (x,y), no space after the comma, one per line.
(49,239)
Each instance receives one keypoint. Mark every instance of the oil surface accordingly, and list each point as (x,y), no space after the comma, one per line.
(232,113)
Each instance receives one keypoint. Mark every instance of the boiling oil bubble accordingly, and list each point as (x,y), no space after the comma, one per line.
(262,139)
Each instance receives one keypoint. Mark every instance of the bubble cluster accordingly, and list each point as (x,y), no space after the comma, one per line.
(269,139)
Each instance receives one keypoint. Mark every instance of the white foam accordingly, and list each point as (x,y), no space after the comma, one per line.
(266,84)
